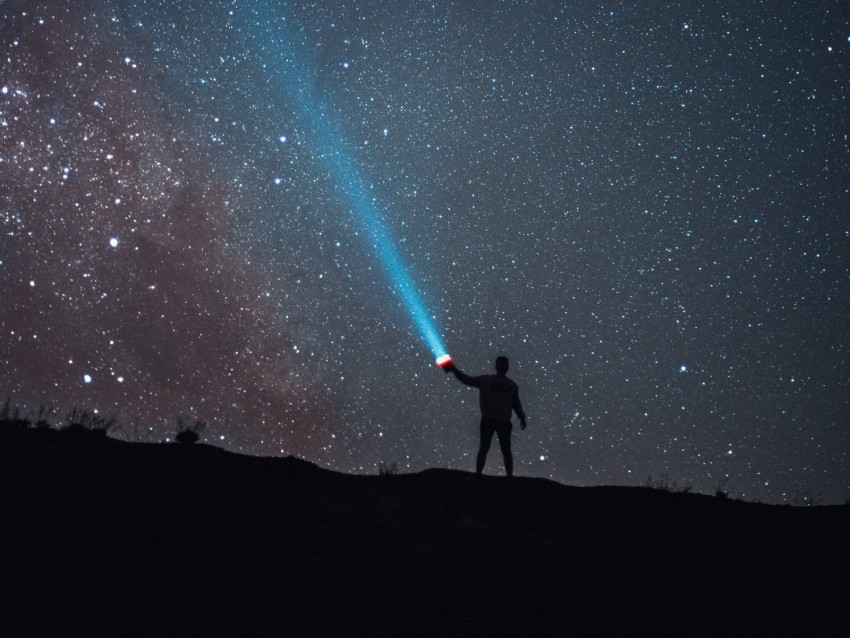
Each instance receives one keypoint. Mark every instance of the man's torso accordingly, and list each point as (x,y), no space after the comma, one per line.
(496,396)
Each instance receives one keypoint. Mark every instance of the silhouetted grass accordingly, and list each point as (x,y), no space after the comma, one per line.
(665,484)
(14,416)
(79,419)
(42,417)
(11,416)
(808,499)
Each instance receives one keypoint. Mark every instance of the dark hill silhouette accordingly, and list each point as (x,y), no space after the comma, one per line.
(101,536)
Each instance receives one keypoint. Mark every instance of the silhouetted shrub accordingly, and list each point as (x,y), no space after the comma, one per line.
(720,491)
(186,433)
(387,470)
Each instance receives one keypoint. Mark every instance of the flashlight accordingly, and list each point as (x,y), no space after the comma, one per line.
(443,361)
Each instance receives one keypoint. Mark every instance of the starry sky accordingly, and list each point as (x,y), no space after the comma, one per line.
(645,205)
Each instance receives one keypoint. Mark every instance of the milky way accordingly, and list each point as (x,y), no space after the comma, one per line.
(645,205)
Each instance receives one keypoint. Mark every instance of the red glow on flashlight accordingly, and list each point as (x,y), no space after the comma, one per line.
(444,360)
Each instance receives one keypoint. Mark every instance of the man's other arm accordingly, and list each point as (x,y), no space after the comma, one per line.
(517,406)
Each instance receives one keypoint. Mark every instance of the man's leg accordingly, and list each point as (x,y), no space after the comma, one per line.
(504,432)
(484,446)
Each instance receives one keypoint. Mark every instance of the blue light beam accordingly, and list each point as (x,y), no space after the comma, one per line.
(297,83)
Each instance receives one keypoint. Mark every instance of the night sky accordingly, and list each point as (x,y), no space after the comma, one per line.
(645,205)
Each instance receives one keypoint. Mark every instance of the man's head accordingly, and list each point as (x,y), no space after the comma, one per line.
(502,365)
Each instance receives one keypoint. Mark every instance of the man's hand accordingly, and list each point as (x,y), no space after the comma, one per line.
(522,423)
(449,367)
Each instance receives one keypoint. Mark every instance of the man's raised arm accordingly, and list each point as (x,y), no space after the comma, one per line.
(462,376)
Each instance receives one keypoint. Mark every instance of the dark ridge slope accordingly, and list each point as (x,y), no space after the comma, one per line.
(127,538)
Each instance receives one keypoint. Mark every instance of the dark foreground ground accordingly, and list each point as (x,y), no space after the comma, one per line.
(105,537)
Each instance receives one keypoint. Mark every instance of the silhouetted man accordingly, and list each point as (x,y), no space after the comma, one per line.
(498,396)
